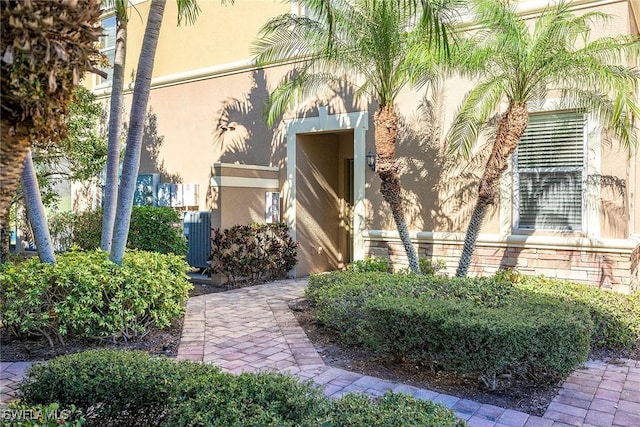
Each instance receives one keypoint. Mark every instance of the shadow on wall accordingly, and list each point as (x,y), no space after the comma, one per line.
(150,156)
(612,210)
(241,134)
(439,189)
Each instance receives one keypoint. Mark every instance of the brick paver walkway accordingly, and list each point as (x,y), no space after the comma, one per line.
(252,329)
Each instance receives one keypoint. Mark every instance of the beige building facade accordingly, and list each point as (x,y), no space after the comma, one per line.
(205,128)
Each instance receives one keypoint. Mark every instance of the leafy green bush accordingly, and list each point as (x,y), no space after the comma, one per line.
(531,337)
(152,229)
(130,388)
(157,229)
(616,317)
(111,387)
(391,410)
(263,399)
(370,264)
(430,267)
(482,325)
(85,294)
(255,252)
(340,297)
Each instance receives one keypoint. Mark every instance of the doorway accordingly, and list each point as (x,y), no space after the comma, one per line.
(324,192)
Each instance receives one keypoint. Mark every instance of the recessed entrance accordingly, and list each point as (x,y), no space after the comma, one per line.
(324,201)
(324,192)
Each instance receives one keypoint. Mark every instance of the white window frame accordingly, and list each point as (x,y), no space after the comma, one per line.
(108,82)
(590,214)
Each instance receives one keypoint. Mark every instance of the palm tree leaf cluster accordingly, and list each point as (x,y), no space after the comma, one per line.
(370,45)
(522,69)
(558,59)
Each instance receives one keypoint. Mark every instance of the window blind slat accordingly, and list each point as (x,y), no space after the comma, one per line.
(548,198)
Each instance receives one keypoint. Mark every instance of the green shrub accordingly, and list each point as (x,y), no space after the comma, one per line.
(370,264)
(152,229)
(263,399)
(430,267)
(391,410)
(85,294)
(255,252)
(111,387)
(616,317)
(157,229)
(531,337)
(485,326)
(51,415)
(340,297)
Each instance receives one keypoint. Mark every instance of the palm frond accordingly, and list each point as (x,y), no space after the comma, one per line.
(188,10)
(366,41)
(476,109)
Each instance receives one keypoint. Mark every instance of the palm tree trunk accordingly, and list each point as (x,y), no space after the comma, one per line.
(511,126)
(35,211)
(13,149)
(131,163)
(110,196)
(386,130)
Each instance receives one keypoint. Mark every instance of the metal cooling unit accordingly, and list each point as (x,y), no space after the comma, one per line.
(197,229)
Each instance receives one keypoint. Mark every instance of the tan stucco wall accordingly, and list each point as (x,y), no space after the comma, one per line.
(439,190)
(222,34)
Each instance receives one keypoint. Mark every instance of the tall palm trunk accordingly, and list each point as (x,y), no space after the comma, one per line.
(35,211)
(110,196)
(131,163)
(386,131)
(13,149)
(510,129)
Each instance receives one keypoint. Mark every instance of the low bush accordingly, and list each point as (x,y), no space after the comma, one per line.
(130,388)
(109,386)
(340,297)
(391,410)
(152,229)
(263,399)
(484,326)
(533,337)
(370,264)
(254,252)
(430,267)
(616,317)
(84,294)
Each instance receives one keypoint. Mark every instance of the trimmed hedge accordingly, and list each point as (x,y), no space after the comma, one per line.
(533,337)
(616,317)
(480,326)
(340,297)
(85,294)
(393,409)
(112,387)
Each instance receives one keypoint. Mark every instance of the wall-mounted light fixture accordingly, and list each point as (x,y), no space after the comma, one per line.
(371,161)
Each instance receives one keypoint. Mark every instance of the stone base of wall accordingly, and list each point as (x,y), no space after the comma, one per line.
(616,269)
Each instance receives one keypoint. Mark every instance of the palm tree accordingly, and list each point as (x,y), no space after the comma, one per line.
(110,196)
(367,43)
(35,211)
(46,48)
(517,66)
(131,162)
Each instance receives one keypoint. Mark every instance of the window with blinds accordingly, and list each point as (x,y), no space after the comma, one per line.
(550,162)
